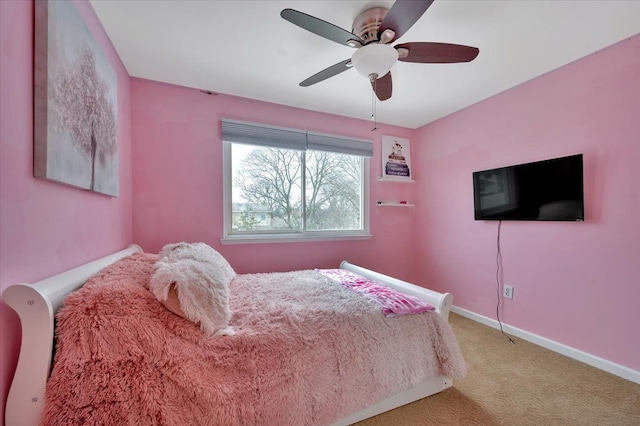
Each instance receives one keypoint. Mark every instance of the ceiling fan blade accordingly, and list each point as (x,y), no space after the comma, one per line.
(319,27)
(402,15)
(382,86)
(434,53)
(327,72)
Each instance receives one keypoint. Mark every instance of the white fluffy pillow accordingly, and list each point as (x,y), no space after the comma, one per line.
(201,278)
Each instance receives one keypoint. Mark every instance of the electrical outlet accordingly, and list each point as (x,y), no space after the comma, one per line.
(507,291)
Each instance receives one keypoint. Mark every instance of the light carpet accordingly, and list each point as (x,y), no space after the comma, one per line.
(520,384)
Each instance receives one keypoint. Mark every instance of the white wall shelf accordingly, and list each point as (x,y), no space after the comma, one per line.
(393,204)
(390,179)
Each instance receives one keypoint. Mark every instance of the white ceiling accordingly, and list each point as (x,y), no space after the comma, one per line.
(245,48)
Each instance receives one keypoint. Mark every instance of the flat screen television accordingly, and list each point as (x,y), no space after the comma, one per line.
(543,190)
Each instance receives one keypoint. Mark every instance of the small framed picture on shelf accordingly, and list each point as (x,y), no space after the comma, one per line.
(396,159)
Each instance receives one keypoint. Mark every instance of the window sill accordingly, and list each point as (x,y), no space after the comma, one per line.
(290,238)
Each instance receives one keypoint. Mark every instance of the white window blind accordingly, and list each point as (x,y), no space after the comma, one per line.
(321,142)
(280,137)
(259,134)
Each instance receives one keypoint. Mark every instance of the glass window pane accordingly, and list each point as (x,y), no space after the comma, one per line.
(266,189)
(333,191)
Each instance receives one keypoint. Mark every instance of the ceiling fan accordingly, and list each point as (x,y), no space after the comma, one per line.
(372,33)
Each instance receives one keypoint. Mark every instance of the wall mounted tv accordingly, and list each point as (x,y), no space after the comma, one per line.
(543,190)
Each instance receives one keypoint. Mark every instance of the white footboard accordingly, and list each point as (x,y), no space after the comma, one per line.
(442,301)
(427,388)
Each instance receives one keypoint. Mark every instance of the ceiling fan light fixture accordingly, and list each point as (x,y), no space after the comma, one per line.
(374,59)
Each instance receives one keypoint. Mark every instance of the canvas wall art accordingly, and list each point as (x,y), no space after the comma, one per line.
(75,102)
(396,158)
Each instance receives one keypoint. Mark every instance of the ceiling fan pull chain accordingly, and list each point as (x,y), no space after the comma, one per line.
(373,108)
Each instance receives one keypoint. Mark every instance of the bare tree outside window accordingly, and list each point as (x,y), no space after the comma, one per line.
(333,191)
(270,182)
(272,178)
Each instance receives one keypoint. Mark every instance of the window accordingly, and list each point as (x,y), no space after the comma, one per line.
(290,185)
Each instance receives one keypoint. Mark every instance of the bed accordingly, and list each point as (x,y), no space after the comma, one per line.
(319,397)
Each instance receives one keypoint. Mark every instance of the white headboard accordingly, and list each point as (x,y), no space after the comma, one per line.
(36,305)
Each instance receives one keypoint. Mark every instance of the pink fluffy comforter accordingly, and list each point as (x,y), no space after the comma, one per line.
(307,352)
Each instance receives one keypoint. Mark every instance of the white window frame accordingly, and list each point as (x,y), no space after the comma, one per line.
(248,237)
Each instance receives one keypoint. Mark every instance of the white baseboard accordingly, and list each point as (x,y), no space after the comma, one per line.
(592,360)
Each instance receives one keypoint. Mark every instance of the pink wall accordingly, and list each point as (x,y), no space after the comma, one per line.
(177,181)
(575,283)
(46,227)
(565,274)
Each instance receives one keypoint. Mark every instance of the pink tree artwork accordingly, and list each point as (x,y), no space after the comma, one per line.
(75,100)
(81,102)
